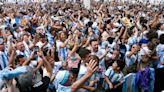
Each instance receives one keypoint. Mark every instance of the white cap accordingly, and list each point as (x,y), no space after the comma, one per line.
(62,76)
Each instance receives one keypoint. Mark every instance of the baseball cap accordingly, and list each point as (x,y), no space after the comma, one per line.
(62,77)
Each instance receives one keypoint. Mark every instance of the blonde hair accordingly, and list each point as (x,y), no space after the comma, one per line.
(59,34)
(24,22)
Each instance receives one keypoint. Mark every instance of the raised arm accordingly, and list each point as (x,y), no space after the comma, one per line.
(36,39)
(100,8)
(91,68)
(86,43)
(109,82)
(124,35)
(66,42)
(10,44)
(46,64)
(29,59)
(89,88)
(121,32)
(106,52)
(75,45)
(154,21)
(129,54)
(11,59)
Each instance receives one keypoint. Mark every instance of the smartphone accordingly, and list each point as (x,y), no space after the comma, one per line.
(36,49)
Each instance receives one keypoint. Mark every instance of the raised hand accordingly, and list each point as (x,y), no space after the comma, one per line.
(91,67)
(32,55)
(40,53)
(107,49)
(69,37)
(36,38)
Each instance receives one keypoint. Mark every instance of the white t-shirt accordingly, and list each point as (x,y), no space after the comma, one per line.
(82,71)
(160,32)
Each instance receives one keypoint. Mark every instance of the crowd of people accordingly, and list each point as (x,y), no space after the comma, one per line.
(63,47)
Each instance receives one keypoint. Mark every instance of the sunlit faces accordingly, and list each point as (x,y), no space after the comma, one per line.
(25,38)
(20,46)
(62,36)
(134,48)
(116,54)
(87,58)
(95,58)
(114,65)
(144,58)
(94,45)
(109,27)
